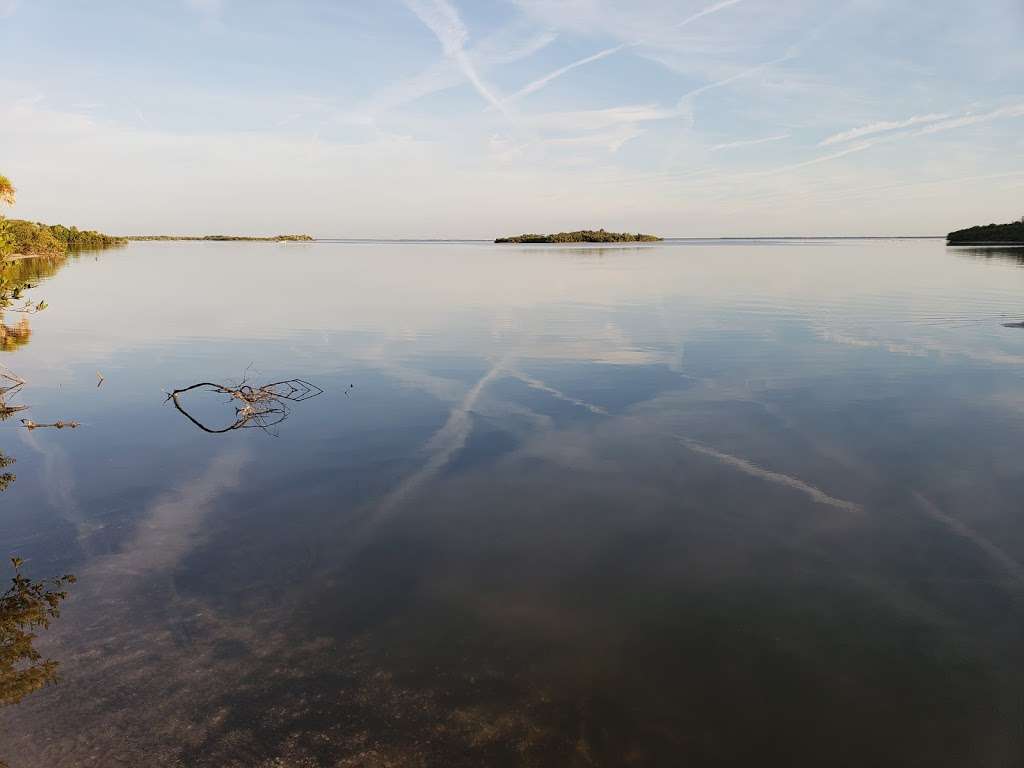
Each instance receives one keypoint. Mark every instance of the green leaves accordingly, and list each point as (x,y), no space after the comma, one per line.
(7,190)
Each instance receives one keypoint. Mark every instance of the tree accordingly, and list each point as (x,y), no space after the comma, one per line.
(7,190)
(6,196)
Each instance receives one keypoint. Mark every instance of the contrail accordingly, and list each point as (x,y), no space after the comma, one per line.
(996,554)
(542,387)
(444,444)
(441,18)
(880,127)
(749,142)
(706,12)
(737,76)
(541,82)
(754,470)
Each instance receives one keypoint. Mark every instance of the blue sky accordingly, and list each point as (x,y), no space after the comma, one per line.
(471,118)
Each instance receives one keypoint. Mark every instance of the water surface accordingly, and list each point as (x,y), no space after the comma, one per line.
(701,503)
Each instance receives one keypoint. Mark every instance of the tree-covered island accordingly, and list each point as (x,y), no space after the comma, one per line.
(583,236)
(989,234)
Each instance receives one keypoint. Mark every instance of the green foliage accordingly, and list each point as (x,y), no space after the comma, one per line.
(6,238)
(582,236)
(27,606)
(33,238)
(988,233)
(7,191)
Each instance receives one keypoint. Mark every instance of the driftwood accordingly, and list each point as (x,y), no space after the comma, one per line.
(262,407)
(29,424)
(9,385)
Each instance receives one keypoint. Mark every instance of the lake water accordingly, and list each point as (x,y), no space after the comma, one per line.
(692,503)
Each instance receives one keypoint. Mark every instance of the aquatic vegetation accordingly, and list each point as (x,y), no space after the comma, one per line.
(582,236)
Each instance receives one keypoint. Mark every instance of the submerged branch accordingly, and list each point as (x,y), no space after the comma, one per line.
(260,407)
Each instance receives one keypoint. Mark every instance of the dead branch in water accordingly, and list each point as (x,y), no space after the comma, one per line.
(261,407)
(29,424)
(9,385)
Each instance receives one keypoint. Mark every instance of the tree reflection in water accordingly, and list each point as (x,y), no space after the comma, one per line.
(14,335)
(26,607)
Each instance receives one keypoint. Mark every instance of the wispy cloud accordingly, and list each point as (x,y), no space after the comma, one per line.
(958,528)
(747,467)
(209,10)
(441,18)
(505,46)
(541,82)
(748,142)
(791,54)
(706,12)
(597,119)
(1016,110)
(8,7)
(611,140)
(880,127)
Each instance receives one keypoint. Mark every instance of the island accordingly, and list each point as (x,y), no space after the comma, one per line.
(228,238)
(989,234)
(582,236)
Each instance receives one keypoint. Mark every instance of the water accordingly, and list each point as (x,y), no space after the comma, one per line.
(702,503)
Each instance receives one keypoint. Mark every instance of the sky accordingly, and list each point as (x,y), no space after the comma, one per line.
(478,118)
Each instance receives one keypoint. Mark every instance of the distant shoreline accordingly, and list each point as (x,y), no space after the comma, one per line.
(224,238)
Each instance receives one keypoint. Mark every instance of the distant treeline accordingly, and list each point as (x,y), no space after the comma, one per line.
(1012,233)
(228,238)
(29,238)
(582,236)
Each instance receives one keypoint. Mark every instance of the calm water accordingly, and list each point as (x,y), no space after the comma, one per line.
(722,503)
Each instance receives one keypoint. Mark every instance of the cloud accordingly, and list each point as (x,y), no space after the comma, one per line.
(880,127)
(8,7)
(748,142)
(778,478)
(506,46)
(957,528)
(738,76)
(441,18)
(597,119)
(611,140)
(210,10)
(541,82)
(1016,110)
(706,12)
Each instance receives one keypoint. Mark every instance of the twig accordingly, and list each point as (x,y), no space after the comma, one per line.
(261,407)
(29,424)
